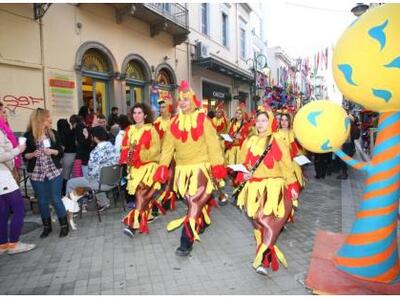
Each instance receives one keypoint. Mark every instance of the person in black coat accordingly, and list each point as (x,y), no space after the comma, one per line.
(43,154)
(68,143)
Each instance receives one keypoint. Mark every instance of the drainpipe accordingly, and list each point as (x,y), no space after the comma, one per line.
(188,49)
(42,61)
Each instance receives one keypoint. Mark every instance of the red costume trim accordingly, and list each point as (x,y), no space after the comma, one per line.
(288,191)
(183,135)
(161,174)
(159,130)
(274,154)
(144,142)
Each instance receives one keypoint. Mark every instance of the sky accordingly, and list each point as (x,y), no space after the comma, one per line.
(302,27)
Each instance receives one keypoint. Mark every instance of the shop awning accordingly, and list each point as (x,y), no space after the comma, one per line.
(218,66)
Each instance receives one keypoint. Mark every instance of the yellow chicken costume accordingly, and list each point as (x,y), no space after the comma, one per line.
(199,162)
(167,198)
(287,138)
(142,160)
(241,130)
(263,196)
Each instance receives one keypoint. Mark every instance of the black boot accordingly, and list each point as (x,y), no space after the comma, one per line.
(186,244)
(46,227)
(64,187)
(64,226)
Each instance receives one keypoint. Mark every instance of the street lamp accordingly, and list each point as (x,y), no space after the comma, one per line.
(259,62)
(359,9)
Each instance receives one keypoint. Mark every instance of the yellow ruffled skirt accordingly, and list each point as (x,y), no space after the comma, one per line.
(268,192)
(186,179)
(144,175)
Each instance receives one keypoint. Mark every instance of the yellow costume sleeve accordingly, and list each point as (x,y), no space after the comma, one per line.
(213,147)
(168,148)
(153,153)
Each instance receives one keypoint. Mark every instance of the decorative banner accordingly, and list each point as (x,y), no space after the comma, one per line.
(61,94)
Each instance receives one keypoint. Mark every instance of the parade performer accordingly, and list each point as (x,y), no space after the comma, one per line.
(142,158)
(199,165)
(219,121)
(221,124)
(167,198)
(263,192)
(238,130)
(286,135)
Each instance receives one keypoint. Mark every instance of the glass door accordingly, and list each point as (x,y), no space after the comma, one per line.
(133,94)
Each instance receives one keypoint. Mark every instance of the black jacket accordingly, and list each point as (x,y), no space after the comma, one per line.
(31,147)
(83,145)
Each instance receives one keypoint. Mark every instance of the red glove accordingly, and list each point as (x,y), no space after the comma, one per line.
(218,172)
(161,174)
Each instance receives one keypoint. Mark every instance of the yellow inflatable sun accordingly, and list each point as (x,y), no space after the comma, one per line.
(366,61)
(321,126)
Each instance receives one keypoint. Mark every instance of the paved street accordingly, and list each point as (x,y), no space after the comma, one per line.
(99,259)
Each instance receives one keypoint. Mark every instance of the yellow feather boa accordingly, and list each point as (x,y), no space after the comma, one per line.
(188,121)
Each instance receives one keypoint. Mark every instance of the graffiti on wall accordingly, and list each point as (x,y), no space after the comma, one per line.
(13,102)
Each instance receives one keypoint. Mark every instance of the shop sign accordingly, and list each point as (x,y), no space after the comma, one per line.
(215,91)
(61,93)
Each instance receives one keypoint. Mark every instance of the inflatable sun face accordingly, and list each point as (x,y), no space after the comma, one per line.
(366,60)
(321,126)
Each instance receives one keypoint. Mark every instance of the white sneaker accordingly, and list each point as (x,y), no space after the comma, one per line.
(262,270)
(20,247)
(129,232)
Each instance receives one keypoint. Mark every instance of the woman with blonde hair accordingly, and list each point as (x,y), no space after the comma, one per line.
(43,155)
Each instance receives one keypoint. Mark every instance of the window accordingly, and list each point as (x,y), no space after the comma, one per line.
(225,29)
(204,18)
(242,43)
(166,7)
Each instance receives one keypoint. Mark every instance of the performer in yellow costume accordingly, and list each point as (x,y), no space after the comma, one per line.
(142,159)
(199,164)
(263,193)
(286,136)
(219,121)
(239,131)
(167,198)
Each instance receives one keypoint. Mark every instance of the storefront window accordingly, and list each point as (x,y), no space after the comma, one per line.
(95,69)
(135,83)
(214,93)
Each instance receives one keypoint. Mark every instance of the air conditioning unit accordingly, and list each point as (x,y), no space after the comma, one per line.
(202,51)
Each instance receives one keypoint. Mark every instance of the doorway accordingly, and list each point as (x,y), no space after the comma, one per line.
(94,92)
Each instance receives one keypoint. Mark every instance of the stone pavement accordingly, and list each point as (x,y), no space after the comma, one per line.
(99,259)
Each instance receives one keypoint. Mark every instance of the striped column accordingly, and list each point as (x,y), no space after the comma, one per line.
(371,250)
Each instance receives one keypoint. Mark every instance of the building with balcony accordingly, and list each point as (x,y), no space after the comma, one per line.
(221,43)
(61,56)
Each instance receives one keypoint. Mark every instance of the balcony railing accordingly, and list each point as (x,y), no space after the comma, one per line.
(172,11)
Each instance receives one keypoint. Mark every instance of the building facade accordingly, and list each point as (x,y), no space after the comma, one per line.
(101,55)
(220,41)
